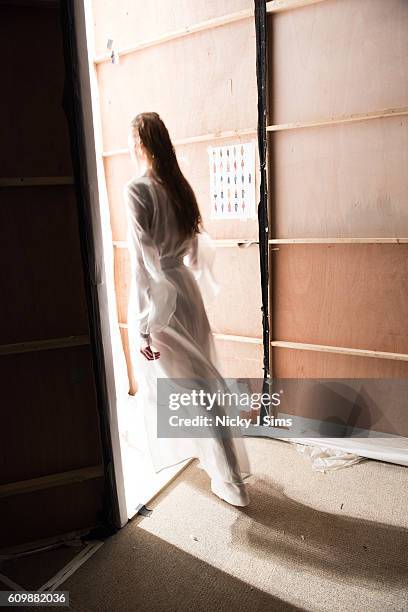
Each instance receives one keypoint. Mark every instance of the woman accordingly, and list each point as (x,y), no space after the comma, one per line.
(169,332)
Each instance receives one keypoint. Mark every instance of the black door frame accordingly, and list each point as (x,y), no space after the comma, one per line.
(263,218)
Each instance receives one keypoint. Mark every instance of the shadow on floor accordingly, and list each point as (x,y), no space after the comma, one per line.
(136,571)
(276,526)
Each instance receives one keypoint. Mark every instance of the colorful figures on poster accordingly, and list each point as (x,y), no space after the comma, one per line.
(224,164)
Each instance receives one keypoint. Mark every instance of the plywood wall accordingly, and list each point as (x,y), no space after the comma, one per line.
(350,295)
(49,422)
(334,59)
(343,181)
(201,85)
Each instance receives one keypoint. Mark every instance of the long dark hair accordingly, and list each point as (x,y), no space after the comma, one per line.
(154,137)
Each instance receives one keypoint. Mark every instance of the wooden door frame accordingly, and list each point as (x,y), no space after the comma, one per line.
(77,104)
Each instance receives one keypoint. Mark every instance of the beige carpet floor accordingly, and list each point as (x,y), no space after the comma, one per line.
(308,541)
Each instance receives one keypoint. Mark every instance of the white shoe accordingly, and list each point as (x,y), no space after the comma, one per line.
(232,493)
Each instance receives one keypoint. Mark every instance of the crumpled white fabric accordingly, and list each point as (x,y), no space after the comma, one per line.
(327,459)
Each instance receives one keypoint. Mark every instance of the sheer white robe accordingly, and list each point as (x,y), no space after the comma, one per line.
(166,308)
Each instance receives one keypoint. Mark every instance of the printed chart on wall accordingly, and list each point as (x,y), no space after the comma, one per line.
(232,181)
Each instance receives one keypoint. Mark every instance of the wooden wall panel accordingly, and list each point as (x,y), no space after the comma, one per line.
(41,272)
(342,295)
(332,59)
(239,359)
(35,141)
(122,282)
(118,171)
(379,405)
(50,421)
(237,307)
(370,406)
(338,57)
(152,81)
(131,374)
(49,399)
(294,363)
(342,181)
(66,509)
(122,20)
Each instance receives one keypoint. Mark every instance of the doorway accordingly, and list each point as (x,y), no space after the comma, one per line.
(134,66)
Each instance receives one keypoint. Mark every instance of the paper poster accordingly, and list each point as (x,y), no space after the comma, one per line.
(232,181)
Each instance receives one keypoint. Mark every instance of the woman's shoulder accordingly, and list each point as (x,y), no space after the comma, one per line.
(138,184)
(138,192)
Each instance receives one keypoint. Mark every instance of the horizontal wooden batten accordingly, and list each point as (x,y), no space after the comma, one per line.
(338,241)
(228,134)
(209,24)
(339,350)
(218,242)
(215,136)
(50,481)
(36,181)
(278,6)
(217,336)
(234,242)
(380,114)
(44,345)
(116,152)
(232,338)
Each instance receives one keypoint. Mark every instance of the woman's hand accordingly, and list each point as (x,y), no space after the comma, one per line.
(149,354)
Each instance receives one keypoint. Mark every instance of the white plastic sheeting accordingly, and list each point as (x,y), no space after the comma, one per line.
(327,459)
(390,450)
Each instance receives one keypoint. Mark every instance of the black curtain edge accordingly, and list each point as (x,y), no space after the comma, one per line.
(261,73)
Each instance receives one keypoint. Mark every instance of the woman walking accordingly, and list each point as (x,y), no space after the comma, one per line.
(169,332)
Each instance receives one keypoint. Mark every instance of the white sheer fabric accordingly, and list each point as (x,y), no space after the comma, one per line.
(166,307)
